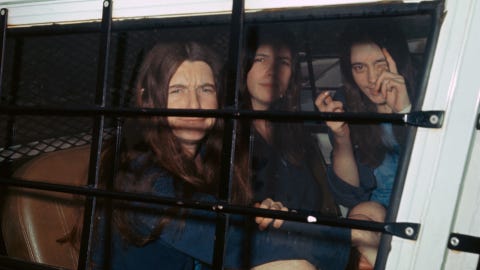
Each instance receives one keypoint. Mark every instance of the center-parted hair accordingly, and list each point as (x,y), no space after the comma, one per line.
(368,138)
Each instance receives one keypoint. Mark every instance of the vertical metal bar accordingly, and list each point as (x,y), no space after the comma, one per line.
(16,79)
(11,119)
(97,134)
(311,75)
(478,121)
(3,36)
(3,41)
(385,243)
(230,129)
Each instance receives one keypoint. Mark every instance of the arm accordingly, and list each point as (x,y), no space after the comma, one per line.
(343,160)
(350,181)
(195,236)
(348,195)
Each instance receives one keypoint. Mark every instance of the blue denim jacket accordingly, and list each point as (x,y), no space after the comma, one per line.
(189,243)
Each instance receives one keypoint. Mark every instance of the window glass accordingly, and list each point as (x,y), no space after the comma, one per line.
(172,171)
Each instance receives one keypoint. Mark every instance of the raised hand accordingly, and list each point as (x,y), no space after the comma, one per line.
(325,103)
(392,86)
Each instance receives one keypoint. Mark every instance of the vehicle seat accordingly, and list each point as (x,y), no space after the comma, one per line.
(33,220)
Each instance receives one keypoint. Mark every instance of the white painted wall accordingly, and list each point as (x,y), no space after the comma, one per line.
(440,157)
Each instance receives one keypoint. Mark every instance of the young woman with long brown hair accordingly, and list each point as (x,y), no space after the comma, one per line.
(178,157)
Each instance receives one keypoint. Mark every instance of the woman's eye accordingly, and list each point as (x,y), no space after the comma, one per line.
(382,66)
(208,90)
(285,62)
(259,59)
(358,67)
(174,90)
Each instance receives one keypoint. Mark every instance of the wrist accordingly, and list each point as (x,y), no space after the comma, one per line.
(407,109)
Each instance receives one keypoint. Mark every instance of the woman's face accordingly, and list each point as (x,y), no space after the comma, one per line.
(368,63)
(269,75)
(192,86)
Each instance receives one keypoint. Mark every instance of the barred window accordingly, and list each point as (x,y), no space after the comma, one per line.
(88,125)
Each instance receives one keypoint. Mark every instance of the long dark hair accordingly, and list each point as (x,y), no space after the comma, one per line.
(278,38)
(368,138)
(157,146)
(290,139)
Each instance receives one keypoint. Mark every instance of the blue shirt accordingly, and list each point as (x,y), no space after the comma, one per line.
(189,243)
(376,184)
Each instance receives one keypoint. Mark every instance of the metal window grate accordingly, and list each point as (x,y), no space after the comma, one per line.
(32,85)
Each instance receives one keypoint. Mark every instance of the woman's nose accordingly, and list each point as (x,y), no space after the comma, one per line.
(372,75)
(270,67)
(193,100)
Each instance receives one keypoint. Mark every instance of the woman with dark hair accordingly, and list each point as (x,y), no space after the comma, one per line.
(168,156)
(378,77)
(286,159)
(287,165)
(178,157)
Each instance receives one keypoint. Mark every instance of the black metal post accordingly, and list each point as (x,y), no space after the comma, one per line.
(228,148)
(3,41)
(97,135)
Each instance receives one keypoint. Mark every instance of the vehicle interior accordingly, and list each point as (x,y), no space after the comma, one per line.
(66,91)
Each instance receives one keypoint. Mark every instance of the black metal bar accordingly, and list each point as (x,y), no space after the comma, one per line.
(311,74)
(427,119)
(478,121)
(401,229)
(230,128)
(15,264)
(435,11)
(465,243)
(298,14)
(3,40)
(11,124)
(97,135)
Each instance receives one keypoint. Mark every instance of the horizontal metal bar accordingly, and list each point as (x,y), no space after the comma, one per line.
(428,119)
(360,10)
(15,264)
(297,14)
(465,243)
(403,229)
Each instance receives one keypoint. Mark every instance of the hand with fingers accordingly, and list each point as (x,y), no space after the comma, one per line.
(264,222)
(325,103)
(392,86)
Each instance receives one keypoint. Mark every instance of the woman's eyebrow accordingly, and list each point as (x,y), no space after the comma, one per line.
(284,58)
(209,84)
(380,60)
(262,54)
(177,85)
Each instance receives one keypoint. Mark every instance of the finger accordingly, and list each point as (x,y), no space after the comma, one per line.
(279,222)
(383,88)
(334,106)
(262,205)
(267,203)
(322,100)
(391,63)
(337,107)
(263,224)
(276,206)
